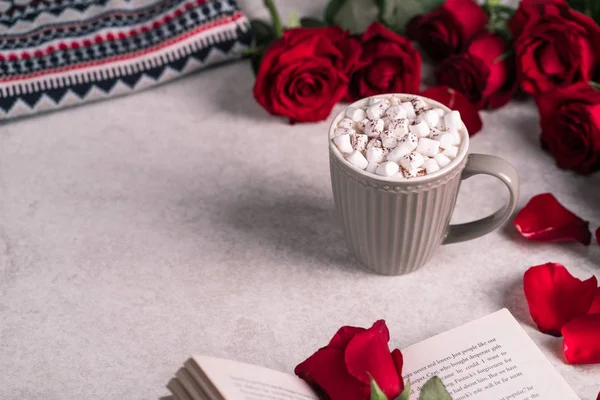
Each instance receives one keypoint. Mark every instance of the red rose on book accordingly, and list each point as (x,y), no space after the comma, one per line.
(389,64)
(480,72)
(555,297)
(343,369)
(447,29)
(570,120)
(305,73)
(554,45)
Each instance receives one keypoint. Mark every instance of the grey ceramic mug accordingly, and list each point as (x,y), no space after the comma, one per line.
(393,226)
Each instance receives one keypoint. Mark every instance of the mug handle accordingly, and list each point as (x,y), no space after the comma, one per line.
(498,168)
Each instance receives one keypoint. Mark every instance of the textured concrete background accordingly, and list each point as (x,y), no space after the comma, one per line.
(185,220)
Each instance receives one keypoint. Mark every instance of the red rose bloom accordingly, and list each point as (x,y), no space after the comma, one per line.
(479,72)
(570,120)
(305,73)
(447,29)
(389,64)
(343,369)
(554,45)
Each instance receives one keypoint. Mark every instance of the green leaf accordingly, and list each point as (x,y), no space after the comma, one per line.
(405,395)
(263,32)
(594,85)
(293,20)
(352,15)
(434,389)
(376,392)
(255,62)
(396,14)
(308,22)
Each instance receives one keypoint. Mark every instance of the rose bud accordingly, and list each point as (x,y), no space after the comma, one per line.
(554,45)
(447,29)
(570,121)
(342,370)
(306,72)
(389,64)
(482,73)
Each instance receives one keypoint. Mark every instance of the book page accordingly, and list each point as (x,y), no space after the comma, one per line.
(492,358)
(234,380)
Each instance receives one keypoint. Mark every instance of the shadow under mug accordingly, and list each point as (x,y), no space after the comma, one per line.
(394,226)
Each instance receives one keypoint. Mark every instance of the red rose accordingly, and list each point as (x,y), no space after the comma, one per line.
(305,73)
(389,64)
(554,45)
(480,73)
(570,120)
(343,368)
(447,29)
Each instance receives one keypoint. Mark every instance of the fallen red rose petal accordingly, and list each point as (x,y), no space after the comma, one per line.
(555,296)
(455,100)
(598,398)
(582,340)
(544,219)
(595,309)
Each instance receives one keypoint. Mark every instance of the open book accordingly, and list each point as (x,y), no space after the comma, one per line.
(491,358)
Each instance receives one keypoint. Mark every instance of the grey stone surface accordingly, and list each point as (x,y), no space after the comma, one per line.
(185,220)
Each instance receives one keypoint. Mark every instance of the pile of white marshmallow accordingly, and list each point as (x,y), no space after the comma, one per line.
(390,137)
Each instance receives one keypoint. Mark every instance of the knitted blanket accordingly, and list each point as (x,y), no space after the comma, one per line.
(57,53)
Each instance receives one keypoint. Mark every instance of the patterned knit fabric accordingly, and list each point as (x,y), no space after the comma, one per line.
(57,53)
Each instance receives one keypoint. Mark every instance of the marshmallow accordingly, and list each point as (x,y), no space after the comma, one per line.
(357,159)
(428,147)
(419,128)
(441,124)
(453,121)
(419,105)
(375,154)
(376,110)
(372,167)
(440,112)
(447,140)
(360,125)
(412,161)
(396,112)
(413,173)
(387,169)
(386,122)
(451,152)
(346,123)
(410,110)
(399,127)
(442,160)
(395,100)
(389,140)
(356,114)
(457,138)
(374,128)
(343,143)
(436,134)
(408,143)
(359,142)
(431,166)
(374,143)
(343,131)
(431,117)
